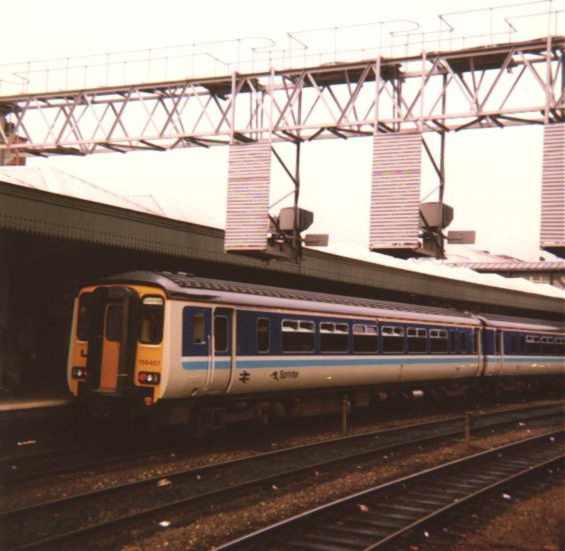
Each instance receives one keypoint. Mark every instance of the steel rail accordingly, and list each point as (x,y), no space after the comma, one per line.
(279,465)
(15,468)
(399,507)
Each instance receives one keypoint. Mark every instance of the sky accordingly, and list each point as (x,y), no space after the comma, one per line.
(493,176)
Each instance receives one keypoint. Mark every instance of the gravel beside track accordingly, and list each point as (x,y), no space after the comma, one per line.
(380,516)
(111,507)
(527,515)
(101,448)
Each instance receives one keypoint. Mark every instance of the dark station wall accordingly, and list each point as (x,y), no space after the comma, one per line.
(40,277)
(43,275)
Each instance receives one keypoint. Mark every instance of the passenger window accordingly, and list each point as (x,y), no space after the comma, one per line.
(334,337)
(365,338)
(532,344)
(517,346)
(114,322)
(198,329)
(547,345)
(151,325)
(459,342)
(438,341)
(297,336)
(290,325)
(417,340)
(220,334)
(263,344)
(393,339)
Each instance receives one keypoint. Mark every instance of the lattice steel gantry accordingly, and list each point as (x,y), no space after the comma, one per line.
(493,86)
(395,99)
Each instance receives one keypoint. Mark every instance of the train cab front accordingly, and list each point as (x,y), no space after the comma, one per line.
(116,356)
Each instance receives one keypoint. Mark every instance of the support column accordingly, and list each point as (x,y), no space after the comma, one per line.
(8,136)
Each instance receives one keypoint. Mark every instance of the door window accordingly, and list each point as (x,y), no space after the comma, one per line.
(263,326)
(220,334)
(198,329)
(114,322)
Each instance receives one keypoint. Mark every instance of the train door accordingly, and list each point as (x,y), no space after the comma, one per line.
(198,344)
(111,345)
(222,360)
(499,351)
(210,338)
(112,338)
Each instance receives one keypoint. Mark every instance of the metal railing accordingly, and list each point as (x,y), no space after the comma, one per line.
(388,38)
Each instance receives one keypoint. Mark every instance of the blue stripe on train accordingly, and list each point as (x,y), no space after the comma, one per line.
(261,363)
(527,358)
(264,363)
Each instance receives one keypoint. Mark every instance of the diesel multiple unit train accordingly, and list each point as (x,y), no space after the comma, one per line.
(188,349)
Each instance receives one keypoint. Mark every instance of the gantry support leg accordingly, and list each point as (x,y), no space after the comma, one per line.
(7,137)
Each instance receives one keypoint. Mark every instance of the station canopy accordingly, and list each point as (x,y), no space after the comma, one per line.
(53,203)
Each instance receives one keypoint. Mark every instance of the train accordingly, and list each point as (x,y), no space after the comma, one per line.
(187,349)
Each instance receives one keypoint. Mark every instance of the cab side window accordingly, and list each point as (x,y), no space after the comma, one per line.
(151,324)
(83,321)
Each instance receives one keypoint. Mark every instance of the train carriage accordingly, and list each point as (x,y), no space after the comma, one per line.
(184,343)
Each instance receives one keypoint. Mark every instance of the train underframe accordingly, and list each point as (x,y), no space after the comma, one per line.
(209,413)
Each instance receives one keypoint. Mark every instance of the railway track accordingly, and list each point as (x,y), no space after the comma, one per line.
(462,524)
(27,464)
(116,508)
(35,460)
(379,517)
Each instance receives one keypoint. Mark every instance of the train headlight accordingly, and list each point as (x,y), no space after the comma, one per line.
(147,378)
(79,373)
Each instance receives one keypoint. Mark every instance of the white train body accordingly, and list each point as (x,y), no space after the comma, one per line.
(175,338)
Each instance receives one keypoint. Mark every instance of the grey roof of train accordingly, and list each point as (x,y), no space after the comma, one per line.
(188,281)
(297,294)
(185,282)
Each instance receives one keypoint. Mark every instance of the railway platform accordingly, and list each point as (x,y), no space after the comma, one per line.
(34,401)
